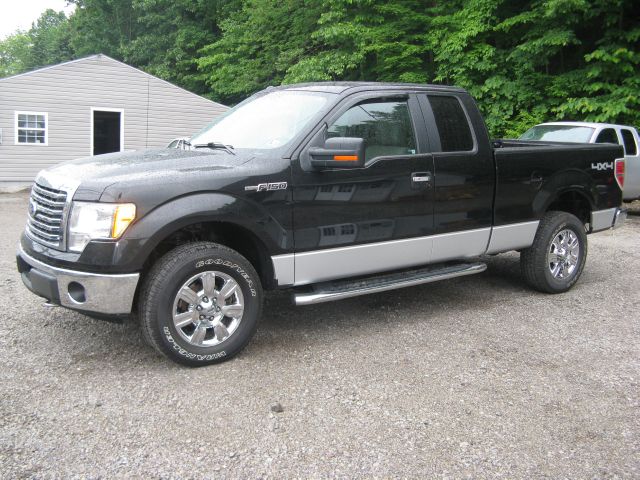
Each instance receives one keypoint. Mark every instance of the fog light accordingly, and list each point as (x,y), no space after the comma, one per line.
(76,292)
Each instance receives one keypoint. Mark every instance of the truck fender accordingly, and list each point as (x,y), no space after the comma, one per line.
(158,224)
(567,181)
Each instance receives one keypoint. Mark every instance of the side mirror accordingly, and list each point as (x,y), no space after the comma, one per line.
(338,152)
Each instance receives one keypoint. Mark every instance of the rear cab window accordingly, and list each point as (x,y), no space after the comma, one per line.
(453,125)
(629,142)
(608,135)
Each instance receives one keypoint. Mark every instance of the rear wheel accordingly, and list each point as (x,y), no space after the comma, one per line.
(200,304)
(554,263)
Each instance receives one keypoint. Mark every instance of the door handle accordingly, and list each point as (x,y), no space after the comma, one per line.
(418,178)
(536,180)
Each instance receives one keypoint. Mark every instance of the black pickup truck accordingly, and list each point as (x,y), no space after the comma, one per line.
(331,190)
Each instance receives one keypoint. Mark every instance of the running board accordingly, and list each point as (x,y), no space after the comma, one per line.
(339,289)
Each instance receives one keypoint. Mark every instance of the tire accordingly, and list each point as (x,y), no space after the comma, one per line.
(561,237)
(200,304)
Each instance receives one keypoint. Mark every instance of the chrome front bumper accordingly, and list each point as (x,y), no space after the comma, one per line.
(90,292)
(606,219)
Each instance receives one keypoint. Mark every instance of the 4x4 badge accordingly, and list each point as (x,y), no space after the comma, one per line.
(263,187)
(602,166)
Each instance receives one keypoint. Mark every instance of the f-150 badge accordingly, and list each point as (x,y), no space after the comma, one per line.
(264,187)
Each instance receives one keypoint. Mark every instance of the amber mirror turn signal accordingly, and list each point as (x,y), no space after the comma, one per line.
(338,152)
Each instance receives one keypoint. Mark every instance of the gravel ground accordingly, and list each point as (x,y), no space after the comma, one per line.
(473,377)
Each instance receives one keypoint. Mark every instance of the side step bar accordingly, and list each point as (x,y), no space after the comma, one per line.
(337,290)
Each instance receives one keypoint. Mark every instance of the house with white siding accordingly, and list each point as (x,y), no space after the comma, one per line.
(87,107)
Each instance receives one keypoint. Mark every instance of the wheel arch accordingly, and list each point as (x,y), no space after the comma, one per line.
(232,235)
(573,200)
(236,223)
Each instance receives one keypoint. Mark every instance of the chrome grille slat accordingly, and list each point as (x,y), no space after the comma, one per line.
(44,226)
(46,223)
(41,217)
(52,237)
(49,193)
(47,201)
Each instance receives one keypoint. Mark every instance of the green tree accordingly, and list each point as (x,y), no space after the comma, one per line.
(171,33)
(525,61)
(259,43)
(49,40)
(103,26)
(367,40)
(14,54)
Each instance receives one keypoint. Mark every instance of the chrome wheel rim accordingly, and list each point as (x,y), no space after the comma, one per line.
(208,309)
(564,254)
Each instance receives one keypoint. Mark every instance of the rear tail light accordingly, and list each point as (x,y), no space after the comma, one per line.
(619,172)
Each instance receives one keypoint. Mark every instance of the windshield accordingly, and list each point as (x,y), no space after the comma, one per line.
(559,133)
(266,122)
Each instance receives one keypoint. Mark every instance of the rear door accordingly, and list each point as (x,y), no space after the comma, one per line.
(351,222)
(464,175)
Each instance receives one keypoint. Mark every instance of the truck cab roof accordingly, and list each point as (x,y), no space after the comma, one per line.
(342,87)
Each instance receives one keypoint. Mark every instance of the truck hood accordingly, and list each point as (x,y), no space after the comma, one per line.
(92,175)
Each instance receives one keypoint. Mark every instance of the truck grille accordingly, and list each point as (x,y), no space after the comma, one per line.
(46,215)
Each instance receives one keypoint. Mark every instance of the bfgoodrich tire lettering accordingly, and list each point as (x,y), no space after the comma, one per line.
(554,263)
(185,311)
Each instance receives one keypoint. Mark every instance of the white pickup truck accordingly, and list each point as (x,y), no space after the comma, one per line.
(587,132)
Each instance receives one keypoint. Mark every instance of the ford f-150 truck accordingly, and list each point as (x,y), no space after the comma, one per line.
(331,190)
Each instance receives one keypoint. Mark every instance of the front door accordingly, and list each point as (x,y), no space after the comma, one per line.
(107,131)
(357,221)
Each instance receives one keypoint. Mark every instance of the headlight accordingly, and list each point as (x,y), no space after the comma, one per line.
(90,221)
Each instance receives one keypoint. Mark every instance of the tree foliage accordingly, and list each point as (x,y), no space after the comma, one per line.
(47,42)
(525,61)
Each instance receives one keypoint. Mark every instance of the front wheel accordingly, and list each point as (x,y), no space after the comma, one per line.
(200,304)
(554,263)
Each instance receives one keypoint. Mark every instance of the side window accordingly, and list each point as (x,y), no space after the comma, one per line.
(452,123)
(608,135)
(629,142)
(385,126)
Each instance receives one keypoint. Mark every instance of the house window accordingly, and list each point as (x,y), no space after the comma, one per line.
(31,128)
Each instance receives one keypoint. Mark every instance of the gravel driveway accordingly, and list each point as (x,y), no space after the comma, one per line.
(473,377)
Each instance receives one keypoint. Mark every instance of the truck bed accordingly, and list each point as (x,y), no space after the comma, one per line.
(528,173)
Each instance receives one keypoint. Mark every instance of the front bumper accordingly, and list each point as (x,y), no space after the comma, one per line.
(89,292)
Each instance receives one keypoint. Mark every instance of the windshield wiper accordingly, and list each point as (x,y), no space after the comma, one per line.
(216,145)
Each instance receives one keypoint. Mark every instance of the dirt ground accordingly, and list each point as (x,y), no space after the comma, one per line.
(474,377)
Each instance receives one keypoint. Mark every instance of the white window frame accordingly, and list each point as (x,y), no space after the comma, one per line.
(107,109)
(46,128)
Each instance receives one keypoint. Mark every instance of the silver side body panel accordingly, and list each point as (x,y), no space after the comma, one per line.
(333,263)
(469,243)
(512,237)
(284,268)
(603,219)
